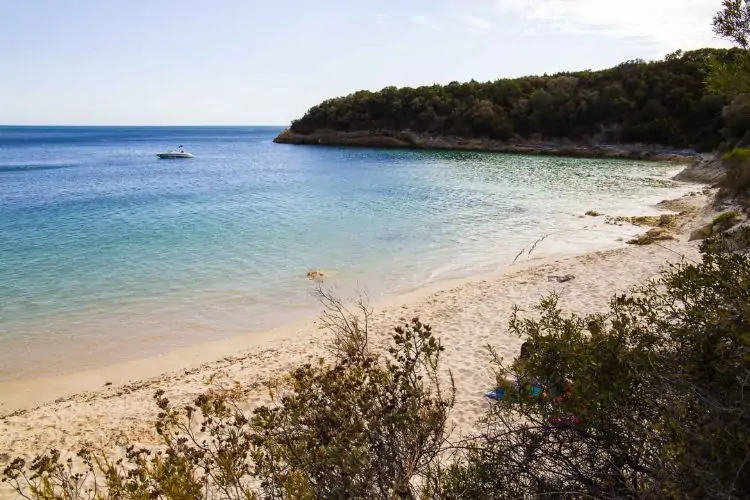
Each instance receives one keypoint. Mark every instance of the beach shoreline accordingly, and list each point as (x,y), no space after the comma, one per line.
(134,279)
(114,405)
(20,395)
(170,335)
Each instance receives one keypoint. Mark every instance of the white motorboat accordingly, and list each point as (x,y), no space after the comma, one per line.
(179,153)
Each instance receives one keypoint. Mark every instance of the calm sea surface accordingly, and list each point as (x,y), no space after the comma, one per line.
(109,254)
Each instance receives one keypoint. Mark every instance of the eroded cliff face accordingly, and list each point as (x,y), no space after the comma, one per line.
(411,140)
(707,170)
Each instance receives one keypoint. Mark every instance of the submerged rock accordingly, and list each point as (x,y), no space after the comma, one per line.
(652,236)
(662,221)
(315,275)
(562,279)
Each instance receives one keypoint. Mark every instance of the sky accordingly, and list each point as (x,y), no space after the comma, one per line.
(246,62)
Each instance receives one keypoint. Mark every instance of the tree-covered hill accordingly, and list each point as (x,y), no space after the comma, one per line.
(663,102)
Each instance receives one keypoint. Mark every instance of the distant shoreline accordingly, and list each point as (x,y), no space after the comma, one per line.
(410,140)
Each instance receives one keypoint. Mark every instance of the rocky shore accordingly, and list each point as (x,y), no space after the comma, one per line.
(708,169)
(411,140)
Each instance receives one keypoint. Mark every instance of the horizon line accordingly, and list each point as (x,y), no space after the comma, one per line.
(8,125)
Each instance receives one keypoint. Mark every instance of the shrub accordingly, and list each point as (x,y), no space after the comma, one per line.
(647,400)
(725,218)
(365,426)
(737,154)
(720,223)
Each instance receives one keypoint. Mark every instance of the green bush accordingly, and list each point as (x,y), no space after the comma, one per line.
(657,386)
(725,218)
(737,154)
(664,103)
(721,223)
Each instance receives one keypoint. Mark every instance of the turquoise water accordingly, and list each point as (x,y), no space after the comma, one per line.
(109,254)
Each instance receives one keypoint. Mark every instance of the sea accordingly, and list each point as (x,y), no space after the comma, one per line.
(109,254)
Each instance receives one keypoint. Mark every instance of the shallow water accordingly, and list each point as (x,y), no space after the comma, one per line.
(109,254)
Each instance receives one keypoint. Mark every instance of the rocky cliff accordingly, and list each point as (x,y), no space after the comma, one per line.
(706,170)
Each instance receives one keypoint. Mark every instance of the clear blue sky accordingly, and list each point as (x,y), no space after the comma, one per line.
(250,62)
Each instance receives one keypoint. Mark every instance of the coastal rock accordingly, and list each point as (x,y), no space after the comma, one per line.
(707,170)
(700,234)
(566,278)
(333,138)
(562,279)
(722,222)
(652,236)
(315,275)
(665,220)
(412,140)
(739,236)
(725,220)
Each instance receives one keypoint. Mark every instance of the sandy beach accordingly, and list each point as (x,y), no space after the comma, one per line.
(114,405)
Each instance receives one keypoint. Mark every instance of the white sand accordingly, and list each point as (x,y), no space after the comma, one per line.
(467,315)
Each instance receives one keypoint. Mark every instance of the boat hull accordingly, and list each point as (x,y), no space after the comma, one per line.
(173,156)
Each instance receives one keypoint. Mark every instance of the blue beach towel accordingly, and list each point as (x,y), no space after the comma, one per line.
(497,394)
(500,394)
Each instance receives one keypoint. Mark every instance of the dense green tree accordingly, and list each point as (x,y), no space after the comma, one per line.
(662,103)
(733,22)
(731,76)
